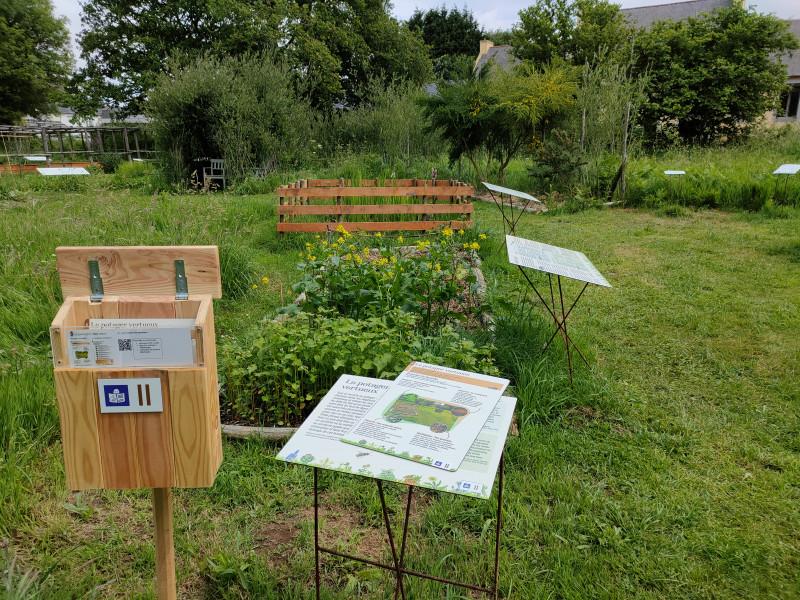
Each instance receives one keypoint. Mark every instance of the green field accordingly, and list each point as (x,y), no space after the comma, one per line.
(670,470)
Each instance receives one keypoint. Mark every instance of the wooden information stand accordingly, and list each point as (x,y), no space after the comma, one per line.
(172,438)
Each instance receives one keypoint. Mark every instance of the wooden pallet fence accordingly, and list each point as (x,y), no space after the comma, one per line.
(319,205)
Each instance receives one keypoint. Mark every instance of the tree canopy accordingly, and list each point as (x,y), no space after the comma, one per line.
(712,76)
(575,31)
(35,59)
(447,32)
(332,48)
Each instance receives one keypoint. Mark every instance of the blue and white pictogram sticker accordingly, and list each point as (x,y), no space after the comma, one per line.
(116,395)
(135,395)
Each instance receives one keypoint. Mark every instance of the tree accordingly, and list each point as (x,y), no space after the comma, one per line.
(499,112)
(35,60)
(575,31)
(332,48)
(447,32)
(712,76)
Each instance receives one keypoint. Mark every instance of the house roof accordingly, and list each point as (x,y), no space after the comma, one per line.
(644,16)
(792,60)
(500,56)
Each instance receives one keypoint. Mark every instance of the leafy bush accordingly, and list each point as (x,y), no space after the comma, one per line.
(241,109)
(278,373)
(362,275)
(108,161)
(390,123)
(141,176)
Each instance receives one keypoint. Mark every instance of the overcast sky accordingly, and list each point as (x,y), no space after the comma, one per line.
(490,14)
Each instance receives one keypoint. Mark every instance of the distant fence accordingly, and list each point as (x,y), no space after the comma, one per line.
(319,205)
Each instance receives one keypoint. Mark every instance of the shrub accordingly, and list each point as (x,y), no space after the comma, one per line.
(241,109)
(108,161)
(278,372)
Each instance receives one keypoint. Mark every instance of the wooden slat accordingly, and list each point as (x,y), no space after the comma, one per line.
(139,270)
(375,209)
(371,226)
(196,463)
(76,391)
(136,447)
(372,192)
(326,182)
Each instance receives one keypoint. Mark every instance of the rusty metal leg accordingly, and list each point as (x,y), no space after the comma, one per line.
(498,527)
(564,329)
(397,569)
(399,585)
(316,532)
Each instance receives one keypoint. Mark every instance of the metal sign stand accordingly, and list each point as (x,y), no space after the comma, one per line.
(509,221)
(560,323)
(398,558)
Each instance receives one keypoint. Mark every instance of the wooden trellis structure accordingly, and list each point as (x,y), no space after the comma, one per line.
(64,145)
(405,205)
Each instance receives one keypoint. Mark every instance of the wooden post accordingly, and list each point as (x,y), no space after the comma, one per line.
(340,216)
(126,143)
(166,584)
(136,143)
(46,144)
(303,184)
(624,152)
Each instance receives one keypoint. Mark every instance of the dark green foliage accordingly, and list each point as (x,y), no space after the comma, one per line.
(332,48)
(35,59)
(280,370)
(240,109)
(108,161)
(575,31)
(447,32)
(712,76)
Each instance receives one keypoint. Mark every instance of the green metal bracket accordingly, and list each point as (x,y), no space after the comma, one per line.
(181,283)
(95,282)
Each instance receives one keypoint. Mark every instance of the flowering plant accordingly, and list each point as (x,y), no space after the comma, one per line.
(367,275)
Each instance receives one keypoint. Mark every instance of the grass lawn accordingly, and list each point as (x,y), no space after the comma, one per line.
(670,470)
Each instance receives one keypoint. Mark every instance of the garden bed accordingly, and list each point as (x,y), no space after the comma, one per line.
(366,305)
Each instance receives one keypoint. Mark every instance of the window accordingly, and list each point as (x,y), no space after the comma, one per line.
(789,102)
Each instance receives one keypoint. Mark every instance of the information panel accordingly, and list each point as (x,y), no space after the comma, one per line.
(552,259)
(53,171)
(317,443)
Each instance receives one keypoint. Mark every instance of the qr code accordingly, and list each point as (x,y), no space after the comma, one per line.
(124,344)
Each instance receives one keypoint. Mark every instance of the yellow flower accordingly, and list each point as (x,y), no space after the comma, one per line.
(399,239)
(460,232)
(447,232)
(265,280)
(308,245)
(352,248)
(341,229)
(254,286)
(347,256)
(312,257)
(393,259)
(358,259)
(379,235)
(482,236)
(437,267)
(475,246)
(340,240)
(365,252)
(465,246)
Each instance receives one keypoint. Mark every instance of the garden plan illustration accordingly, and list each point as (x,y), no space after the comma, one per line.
(430,414)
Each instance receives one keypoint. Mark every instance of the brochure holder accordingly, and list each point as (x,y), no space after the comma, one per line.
(130,427)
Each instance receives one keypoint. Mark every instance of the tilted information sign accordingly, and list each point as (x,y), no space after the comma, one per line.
(53,171)
(317,443)
(787,169)
(554,260)
(509,192)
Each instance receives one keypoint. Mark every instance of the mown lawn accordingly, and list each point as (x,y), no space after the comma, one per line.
(671,469)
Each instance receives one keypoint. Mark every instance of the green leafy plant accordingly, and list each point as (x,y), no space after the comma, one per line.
(278,373)
(362,275)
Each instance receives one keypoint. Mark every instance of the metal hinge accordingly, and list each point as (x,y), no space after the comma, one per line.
(95,282)
(181,283)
